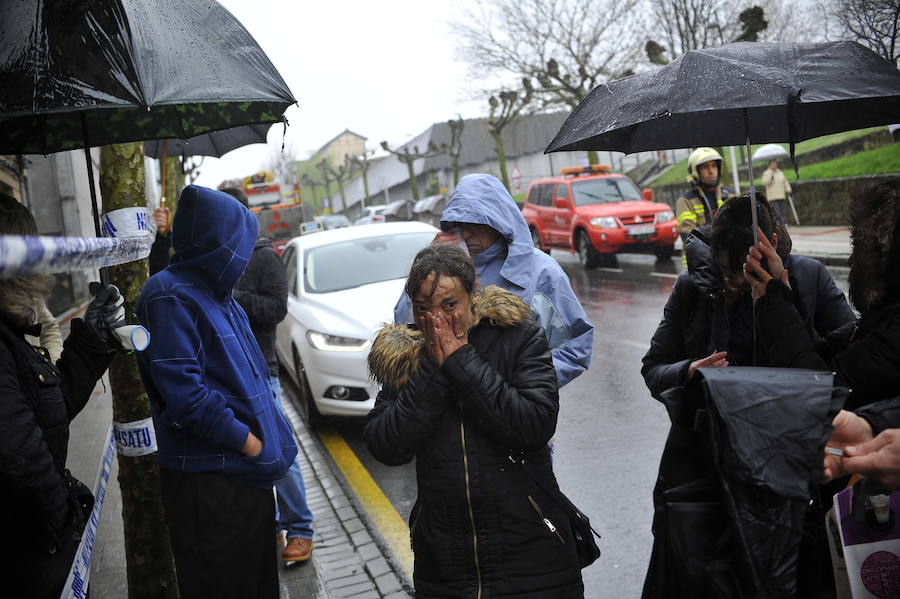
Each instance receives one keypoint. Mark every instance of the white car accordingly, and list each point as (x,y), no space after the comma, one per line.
(342,285)
(371,215)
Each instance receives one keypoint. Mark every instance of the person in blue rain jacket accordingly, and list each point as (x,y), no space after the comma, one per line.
(484,216)
(222,444)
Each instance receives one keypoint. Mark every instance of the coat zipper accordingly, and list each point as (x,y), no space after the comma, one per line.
(462,435)
(545,520)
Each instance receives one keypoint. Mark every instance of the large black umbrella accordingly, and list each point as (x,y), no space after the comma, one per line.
(215,143)
(80,74)
(721,96)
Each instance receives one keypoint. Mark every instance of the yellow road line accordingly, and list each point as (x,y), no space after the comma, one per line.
(380,510)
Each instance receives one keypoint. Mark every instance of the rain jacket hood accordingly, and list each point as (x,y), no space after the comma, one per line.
(482,200)
(520,268)
(218,249)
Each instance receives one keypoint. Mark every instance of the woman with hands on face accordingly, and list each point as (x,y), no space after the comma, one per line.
(467,390)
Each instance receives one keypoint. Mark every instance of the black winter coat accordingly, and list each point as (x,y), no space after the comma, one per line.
(39,502)
(479,527)
(262,292)
(697,322)
(865,357)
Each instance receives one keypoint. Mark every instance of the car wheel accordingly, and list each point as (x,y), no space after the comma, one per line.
(590,257)
(536,240)
(664,252)
(308,410)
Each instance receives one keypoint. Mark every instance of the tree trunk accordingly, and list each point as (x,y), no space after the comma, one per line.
(413,184)
(365,178)
(593,157)
(148,553)
(501,157)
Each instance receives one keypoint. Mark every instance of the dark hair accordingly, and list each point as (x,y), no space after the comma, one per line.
(442,259)
(236,194)
(732,228)
(15,219)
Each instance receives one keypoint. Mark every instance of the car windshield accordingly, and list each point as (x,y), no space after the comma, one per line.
(602,191)
(356,262)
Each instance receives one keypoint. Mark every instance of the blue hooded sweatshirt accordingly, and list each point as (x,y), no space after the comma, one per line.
(206,377)
(514,264)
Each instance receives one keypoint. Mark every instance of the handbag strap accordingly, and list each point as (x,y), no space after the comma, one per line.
(555,494)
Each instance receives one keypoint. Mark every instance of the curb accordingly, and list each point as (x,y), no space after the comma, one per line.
(348,561)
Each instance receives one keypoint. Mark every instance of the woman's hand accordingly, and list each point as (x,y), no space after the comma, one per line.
(446,336)
(715,360)
(879,457)
(756,274)
(849,430)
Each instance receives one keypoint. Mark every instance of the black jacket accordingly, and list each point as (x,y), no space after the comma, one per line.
(882,415)
(697,322)
(479,521)
(38,501)
(262,292)
(160,252)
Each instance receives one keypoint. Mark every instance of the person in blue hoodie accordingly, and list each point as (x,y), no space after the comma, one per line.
(483,215)
(222,444)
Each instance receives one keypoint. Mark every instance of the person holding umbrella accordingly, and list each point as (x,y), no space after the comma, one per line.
(777,189)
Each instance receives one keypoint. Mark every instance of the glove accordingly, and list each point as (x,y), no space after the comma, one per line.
(105,312)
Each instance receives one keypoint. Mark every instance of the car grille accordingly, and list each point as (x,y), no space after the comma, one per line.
(642,219)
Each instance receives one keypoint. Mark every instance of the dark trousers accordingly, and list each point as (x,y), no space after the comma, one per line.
(778,207)
(222,533)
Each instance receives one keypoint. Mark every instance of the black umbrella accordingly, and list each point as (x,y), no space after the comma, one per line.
(216,143)
(81,74)
(735,93)
(720,96)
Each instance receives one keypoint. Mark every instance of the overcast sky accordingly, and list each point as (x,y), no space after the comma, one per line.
(384,70)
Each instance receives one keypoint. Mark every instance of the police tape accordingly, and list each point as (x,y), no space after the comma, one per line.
(129,237)
(80,573)
(135,438)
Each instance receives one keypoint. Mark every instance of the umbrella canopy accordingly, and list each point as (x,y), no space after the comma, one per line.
(721,96)
(128,70)
(215,143)
(770,152)
(768,428)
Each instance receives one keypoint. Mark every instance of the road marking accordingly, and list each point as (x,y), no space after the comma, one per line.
(608,269)
(635,344)
(668,275)
(380,510)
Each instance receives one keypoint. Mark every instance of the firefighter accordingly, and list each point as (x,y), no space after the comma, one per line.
(697,206)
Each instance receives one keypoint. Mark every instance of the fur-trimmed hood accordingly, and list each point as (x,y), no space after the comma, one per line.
(875,261)
(398,348)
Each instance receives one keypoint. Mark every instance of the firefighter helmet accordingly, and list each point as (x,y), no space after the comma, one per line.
(700,156)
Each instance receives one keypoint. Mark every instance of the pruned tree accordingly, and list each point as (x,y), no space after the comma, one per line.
(338,174)
(872,23)
(753,23)
(314,184)
(567,46)
(504,108)
(454,148)
(360,164)
(409,156)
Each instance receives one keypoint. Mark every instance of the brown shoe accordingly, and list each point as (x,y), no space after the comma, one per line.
(297,550)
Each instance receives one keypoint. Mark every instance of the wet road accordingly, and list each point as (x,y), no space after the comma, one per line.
(610,433)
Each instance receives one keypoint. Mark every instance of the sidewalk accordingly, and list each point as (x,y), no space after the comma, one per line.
(346,561)
(829,245)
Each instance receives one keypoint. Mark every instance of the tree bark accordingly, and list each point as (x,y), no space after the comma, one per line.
(413,184)
(501,157)
(148,552)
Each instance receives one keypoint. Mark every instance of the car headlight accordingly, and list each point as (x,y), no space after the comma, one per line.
(604,222)
(325,342)
(664,216)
